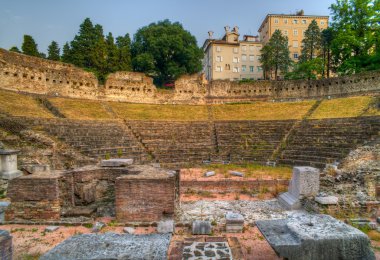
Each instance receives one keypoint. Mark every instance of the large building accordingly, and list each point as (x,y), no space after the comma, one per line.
(230,58)
(292,26)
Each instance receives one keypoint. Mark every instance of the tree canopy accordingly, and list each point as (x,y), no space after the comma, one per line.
(275,55)
(312,42)
(29,46)
(166,51)
(54,51)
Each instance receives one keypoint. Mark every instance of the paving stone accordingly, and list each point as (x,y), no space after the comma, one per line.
(51,228)
(166,226)
(111,246)
(207,250)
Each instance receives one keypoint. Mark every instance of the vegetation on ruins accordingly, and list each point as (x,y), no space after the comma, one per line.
(275,55)
(165,50)
(15,49)
(356,29)
(54,51)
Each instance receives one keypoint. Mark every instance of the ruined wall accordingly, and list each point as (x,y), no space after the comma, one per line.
(34,75)
(20,72)
(144,199)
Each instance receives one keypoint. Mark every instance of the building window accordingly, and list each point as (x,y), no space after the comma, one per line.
(259,68)
(304,21)
(295,55)
(236,69)
(251,68)
(218,49)
(258,57)
(228,67)
(251,57)
(276,21)
(235,60)
(251,48)
(322,22)
(218,68)
(295,32)
(285,21)
(285,32)
(244,68)
(244,48)
(295,44)
(243,57)
(236,50)
(295,21)
(219,58)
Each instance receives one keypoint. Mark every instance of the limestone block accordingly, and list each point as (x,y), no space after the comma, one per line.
(234,222)
(8,164)
(238,174)
(201,227)
(304,182)
(209,174)
(289,202)
(36,168)
(116,162)
(51,228)
(305,236)
(129,230)
(328,200)
(166,226)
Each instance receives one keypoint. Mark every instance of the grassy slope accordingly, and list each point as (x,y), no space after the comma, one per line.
(21,105)
(262,111)
(81,109)
(159,112)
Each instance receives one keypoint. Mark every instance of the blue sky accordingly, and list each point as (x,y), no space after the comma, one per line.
(59,20)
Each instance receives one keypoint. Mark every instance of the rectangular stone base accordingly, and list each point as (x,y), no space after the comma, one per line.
(289,202)
(10,175)
(233,228)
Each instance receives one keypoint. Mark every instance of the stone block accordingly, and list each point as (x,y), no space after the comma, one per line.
(304,182)
(234,222)
(328,200)
(98,226)
(8,164)
(289,202)
(209,174)
(305,236)
(5,245)
(36,168)
(372,225)
(165,227)
(201,227)
(116,162)
(237,174)
(51,228)
(129,230)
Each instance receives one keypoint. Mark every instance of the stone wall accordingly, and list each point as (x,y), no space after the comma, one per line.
(20,72)
(145,199)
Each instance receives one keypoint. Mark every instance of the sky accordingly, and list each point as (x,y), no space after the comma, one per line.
(59,20)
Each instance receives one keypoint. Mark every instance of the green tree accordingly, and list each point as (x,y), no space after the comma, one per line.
(312,42)
(275,55)
(123,44)
(54,51)
(327,37)
(307,69)
(15,49)
(166,51)
(356,29)
(112,54)
(66,53)
(29,46)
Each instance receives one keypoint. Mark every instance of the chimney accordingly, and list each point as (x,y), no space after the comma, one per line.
(210,34)
(227,28)
(236,29)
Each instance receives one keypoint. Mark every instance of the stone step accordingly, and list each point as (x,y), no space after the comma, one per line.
(289,202)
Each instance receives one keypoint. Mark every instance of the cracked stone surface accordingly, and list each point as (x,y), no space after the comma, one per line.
(216,210)
(207,251)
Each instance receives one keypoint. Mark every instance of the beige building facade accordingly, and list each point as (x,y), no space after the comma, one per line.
(292,26)
(230,58)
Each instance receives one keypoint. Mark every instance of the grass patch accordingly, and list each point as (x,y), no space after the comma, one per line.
(159,112)
(21,105)
(262,111)
(81,109)
(346,107)
(374,235)
(251,170)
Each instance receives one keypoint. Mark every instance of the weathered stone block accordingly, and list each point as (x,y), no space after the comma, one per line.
(305,236)
(166,226)
(237,174)
(129,230)
(51,228)
(116,162)
(234,222)
(5,245)
(8,164)
(201,227)
(209,174)
(328,200)
(305,182)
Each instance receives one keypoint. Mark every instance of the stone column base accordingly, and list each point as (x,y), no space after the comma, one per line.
(10,175)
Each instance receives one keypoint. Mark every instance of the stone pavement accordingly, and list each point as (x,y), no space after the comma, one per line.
(207,251)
